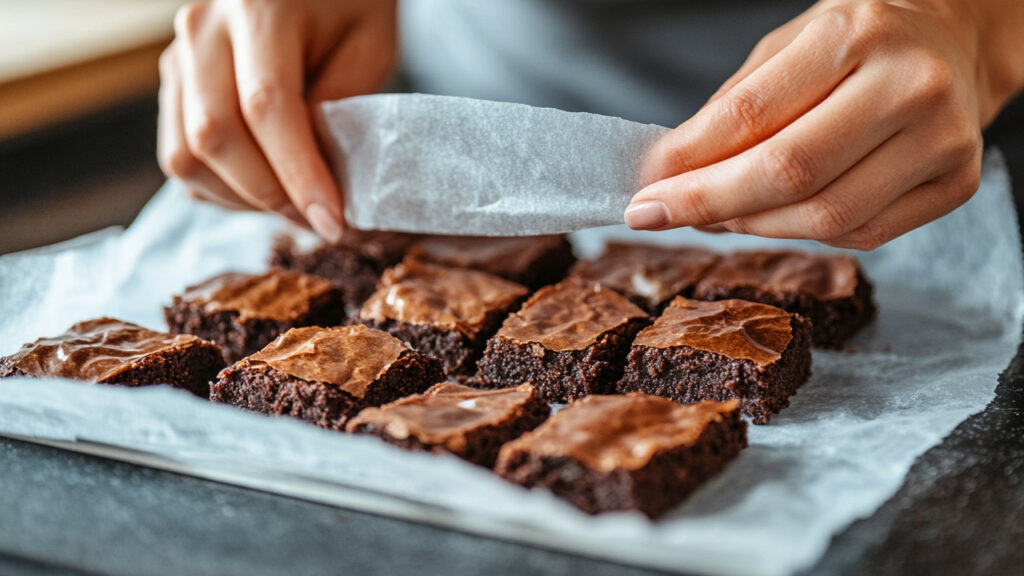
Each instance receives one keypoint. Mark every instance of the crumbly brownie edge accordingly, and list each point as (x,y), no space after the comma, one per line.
(239,339)
(688,376)
(458,352)
(833,321)
(653,490)
(560,376)
(481,444)
(356,276)
(265,390)
(191,368)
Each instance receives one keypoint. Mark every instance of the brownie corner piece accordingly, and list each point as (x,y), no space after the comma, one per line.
(648,274)
(828,288)
(450,418)
(589,453)
(442,311)
(568,339)
(325,376)
(728,349)
(243,312)
(111,351)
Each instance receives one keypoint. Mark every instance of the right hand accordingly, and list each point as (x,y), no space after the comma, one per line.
(238,88)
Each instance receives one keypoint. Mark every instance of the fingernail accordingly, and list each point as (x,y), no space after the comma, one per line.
(323,223)
(647,215)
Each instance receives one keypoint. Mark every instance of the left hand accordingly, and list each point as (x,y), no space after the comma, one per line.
(852,124)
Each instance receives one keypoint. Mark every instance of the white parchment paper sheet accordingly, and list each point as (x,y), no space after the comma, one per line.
(450,165)
(950,296)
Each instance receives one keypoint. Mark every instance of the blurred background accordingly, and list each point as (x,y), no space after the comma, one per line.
(78,84)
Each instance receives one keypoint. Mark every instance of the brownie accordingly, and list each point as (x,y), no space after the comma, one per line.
(445,312)
(472,424)
(755,353)
(353,264)
(647,274)
(569,340)
(533,261)
(109,351)
(326,375)
(632,452)
(244,312)
(830,289)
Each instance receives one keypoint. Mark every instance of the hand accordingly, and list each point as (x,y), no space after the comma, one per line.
(238,88)
(852,124)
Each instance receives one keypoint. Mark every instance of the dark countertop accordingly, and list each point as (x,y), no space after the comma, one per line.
(960,511)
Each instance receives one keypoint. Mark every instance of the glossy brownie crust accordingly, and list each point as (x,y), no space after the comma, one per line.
(671,475)
(189,364)
(479,445)
(689,375)
(239,337)
(531,261)
(266,390)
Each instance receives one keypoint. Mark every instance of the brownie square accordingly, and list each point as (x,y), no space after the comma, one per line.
(109,351)
(353,264)
(533,261)
(472,424)
(755,353)
(569,340)
(632,452)
(647,274)
(445,312)
(325,376)
(829,289)
(244,312)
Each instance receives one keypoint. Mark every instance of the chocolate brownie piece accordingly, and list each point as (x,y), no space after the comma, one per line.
(568,339)
(109,351)
(445,312)
(647,274)
(472,424)
(353,264)
(755,353)
(533,261)
(829,289)
(632,452)
(244,312)
(326,375)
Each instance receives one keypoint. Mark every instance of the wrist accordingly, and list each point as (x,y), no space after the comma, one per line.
(999,28)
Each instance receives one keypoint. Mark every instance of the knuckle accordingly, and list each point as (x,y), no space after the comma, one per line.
(827,219)
(260,100)
(866,238)
(738,225)
(870,23)
(746,111)
(696,204)
(180,164)
(932,81)
(790,171)
(207,136)
(189,19)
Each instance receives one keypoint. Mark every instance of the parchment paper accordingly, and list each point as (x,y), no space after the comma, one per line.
(449,165)
(950,297)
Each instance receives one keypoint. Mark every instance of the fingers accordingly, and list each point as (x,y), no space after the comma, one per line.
(213,125)
(786,86)
(172,150)
(789,167)
(268,63)
(359,65)
(916,208)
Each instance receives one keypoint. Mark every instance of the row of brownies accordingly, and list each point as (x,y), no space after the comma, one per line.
(460,345)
